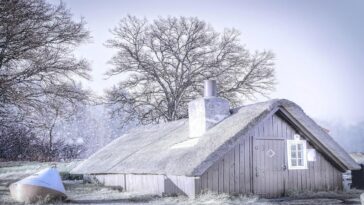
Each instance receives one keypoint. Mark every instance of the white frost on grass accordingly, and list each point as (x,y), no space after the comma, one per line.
(16,170)
(208,199)
(94,194)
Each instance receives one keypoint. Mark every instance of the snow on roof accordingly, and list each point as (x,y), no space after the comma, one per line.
(322,136)
(168,149)
(358,157)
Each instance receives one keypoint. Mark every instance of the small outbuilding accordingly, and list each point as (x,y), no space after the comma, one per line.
(270,149)
(357,176)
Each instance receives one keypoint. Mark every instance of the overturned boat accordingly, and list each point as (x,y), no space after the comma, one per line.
(45,185)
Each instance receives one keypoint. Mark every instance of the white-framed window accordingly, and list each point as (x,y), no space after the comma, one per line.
(296,150)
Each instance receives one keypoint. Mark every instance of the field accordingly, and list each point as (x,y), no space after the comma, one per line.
(84,193)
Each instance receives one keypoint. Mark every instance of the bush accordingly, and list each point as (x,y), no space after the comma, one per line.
(69,176)
(20,143)
(17,143)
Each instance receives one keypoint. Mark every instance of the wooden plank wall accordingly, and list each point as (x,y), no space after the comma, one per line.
(150,184)
(320,175)
(111,180)
(179,185)
(233,172)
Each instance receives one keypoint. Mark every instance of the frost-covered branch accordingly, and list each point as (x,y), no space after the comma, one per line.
(168,59)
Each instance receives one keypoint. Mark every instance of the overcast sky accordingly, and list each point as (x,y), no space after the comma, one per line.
(319,45)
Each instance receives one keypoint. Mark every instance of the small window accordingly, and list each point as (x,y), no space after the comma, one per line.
(296,150)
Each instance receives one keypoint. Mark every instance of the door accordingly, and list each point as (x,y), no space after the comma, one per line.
(269,167)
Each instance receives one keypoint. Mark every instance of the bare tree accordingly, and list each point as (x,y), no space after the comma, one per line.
(56,109)
(36,60)
(164,63)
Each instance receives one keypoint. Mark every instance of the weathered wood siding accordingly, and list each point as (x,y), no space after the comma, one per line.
(320,175)
(150,184)
(179,185)
(235,172)
(232,173)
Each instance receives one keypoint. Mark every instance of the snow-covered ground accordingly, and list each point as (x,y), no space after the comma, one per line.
(81,193)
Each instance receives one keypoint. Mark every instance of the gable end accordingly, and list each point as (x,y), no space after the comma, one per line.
(300,129)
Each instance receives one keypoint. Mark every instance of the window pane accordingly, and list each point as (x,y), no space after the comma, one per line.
(300,162)
(293,148)
(294,163)
(293,155)
(299,154)
(299,146)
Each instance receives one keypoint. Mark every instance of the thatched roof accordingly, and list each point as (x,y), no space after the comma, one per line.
(167,149)
(358,157)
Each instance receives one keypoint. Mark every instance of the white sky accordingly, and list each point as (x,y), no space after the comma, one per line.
(319,45)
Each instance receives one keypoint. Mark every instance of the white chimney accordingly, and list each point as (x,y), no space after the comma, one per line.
(204,113)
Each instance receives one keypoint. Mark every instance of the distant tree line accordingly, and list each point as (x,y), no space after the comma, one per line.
(78,136)
(19,143)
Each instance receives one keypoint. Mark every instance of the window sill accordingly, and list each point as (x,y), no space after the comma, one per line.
(297,168)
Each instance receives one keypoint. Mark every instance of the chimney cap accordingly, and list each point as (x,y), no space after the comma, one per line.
(210,88)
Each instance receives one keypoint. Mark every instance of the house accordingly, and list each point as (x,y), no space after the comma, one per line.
(269,149)
(357,176)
